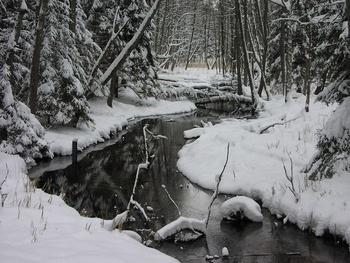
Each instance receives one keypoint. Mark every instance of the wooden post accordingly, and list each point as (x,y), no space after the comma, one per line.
(75,151)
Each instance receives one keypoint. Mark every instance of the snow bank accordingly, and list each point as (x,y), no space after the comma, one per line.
(256,169)
(38,227)
(246,206)
(110,120)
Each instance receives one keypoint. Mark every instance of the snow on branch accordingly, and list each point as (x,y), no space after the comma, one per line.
(104,52)
(120,218)
(171,199)
(130,46)
(292,19)
(284,3)
(268,126)
(183,223)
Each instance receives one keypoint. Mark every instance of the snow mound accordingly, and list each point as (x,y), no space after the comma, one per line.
(178,225)
(241,206)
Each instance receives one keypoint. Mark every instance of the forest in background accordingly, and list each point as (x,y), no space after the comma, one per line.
(55,56)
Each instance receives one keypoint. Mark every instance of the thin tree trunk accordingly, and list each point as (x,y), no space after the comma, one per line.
(283,60)
(238,53)
(246,58)
(104,52)
(73,16)
(222,34)
(35,69)
(206,43)
(244,35)
(192,35)
(348,14)
(161,37)
(112,87)
(232,44)
(130,46)
(308,60)
(264,26)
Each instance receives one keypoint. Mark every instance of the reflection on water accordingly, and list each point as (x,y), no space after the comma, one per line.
(99,185)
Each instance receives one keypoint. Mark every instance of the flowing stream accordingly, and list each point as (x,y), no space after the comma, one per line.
(100,184)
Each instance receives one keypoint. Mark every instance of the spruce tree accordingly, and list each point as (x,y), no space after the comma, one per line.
(20,132)
(334,140)
(140,69)
(61,94)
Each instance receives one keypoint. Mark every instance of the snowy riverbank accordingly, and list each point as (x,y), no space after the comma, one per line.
(111,120)
(38,227)
(256,169)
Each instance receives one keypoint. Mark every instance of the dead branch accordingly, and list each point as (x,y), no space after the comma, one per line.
(217,185)
(277,123)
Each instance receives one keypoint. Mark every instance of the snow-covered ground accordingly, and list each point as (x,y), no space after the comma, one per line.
(110,120)
(266,163)
(38,227)
(35,226)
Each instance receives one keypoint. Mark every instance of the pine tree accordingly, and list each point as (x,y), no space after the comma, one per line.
(61,94)
(140,68)
(102,19)
(20,132)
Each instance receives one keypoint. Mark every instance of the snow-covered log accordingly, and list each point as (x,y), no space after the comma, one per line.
(241,206)
(178,225)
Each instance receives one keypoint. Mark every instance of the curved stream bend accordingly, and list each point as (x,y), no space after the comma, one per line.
(99,185)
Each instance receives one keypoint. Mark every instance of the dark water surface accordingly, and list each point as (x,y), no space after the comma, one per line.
(100,184)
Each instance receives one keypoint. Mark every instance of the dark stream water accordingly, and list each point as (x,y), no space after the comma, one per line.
(99,185)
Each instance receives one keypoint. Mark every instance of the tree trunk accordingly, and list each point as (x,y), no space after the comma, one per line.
(348,14)
(308,60)
(206,42)
(283,60)
(161,37)
(35,69)
(232,44)
(264,27)
(238,53)
(244,35)
(222,34)
(73,16)
(112,88)
(103,55)
(192,35)
(130,46)
(246,58)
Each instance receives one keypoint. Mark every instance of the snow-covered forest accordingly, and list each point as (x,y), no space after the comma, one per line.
(61,58)
(57,55)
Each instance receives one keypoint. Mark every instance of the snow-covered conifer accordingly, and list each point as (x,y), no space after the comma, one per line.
(20,132)
(140,69)
(334,139)
(61,92)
